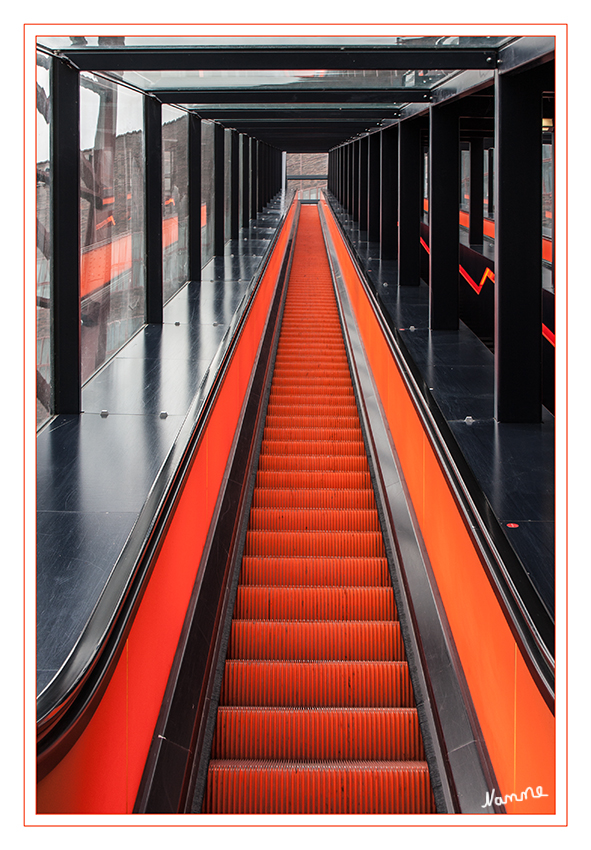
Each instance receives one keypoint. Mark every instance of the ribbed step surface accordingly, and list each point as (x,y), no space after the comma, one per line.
(316,712)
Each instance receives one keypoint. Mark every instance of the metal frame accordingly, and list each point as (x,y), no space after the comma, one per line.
(279,58)
(409,203)
(194,197)
(518,248)
(65,318)
(444,190)
(153,209)
(284,95)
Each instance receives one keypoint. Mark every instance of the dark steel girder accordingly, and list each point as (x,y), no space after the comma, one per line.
(376,113)
(279,58)
(287,94)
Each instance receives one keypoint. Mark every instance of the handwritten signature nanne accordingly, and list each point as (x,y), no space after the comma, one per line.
(513,798)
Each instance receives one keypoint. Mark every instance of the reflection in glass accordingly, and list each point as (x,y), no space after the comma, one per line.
(547,189)
(112,270)
(304,174)
(175,206)
(465,181)
(237,41)
(207,196)
(425,186)
(44,246)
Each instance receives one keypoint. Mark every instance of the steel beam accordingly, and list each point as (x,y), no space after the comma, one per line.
(374,186)
(65,275)
(219,190)
(409,203)
(153,209)
(444,182)
(291,94)
(279,58)
(518,248)
(194,197)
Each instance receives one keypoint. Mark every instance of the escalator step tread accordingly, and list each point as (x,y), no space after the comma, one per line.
(314,603)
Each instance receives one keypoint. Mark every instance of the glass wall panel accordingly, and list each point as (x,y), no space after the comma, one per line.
(304,173)
(112,190)
(207,193)
(44,245)
(485,198)
(175,206)
(227,184)
(425,186)
(547,189)
(240,173)
(465,181)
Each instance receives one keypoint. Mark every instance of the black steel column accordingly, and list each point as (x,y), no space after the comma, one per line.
(444,191)
(194,197)
(350,178)
(476,231)
(491,182)
(374,185)
(518,247)
(355,181)
(235,186)
(65,195)
(219,189)
(363,181)
(153,206)
(254,180)
(347,178)
(245,180)
(260,176)
(389,235)
(410,196)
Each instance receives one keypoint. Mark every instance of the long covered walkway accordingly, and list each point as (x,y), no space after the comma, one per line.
(183,295)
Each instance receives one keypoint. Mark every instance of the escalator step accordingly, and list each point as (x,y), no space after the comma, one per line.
(318,499)
(317,683)
(340,787)
(338,640)
(314,603)
(310,519)
(388,734)
(341,544)
(315,572)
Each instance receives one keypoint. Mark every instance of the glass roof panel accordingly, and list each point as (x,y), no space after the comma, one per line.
(80,42)
(303,79)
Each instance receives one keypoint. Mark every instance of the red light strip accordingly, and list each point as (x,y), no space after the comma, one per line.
(477,287)
(546,332)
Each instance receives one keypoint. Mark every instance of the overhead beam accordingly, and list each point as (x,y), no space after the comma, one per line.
(296,114)
(274,58)
(288,94)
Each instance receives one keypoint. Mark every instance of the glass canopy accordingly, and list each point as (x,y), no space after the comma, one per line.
(443,42)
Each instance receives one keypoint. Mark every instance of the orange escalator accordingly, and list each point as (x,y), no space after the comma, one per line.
(316,711)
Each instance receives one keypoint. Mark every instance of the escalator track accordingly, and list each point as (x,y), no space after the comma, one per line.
(316,710)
